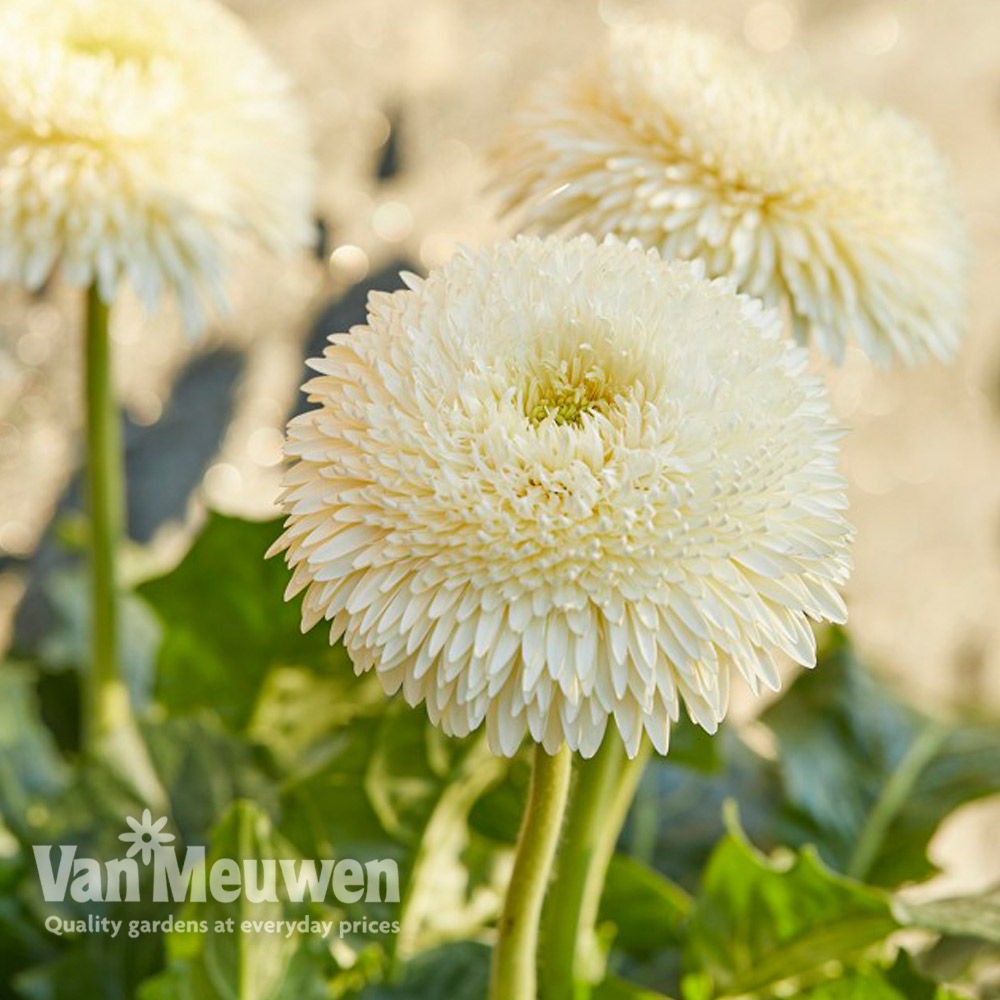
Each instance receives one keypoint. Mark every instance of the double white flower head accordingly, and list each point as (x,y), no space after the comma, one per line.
(842,210)
(558,483)
(138,136)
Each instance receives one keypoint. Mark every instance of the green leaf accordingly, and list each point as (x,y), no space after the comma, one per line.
(300,715)
(374,787)
(444,894)
(693,747)
(213,957)
(204,770)
(871,778)
(458,971)
(497,815)
(66,642)
(689,807)
(23,941)
(613,988)
(201,767)
(95,967)
(227,625)
(31,769)
(392,786)
(900,981)
(960,916)
(759,921)
(646,909)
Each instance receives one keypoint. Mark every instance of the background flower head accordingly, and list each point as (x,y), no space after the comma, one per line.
(843,210)
(557,482)
(135,137)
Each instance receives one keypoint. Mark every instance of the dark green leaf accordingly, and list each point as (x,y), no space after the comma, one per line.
(688,807)
(458,971)
(227,625)
(871,778)
(65,644)
(758,921)
(691,746)
(960,916)
(646,909)
(202,769)
(497,815)
(373,788)
(96,966)
(31,769)
(23,942)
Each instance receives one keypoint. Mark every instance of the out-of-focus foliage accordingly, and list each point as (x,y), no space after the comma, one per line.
(217,965)
(226,627)
(872,779)
(736,872)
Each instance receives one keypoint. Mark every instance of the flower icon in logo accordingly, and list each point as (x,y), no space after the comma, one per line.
(147,837)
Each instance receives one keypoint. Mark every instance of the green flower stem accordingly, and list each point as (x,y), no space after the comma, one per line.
(645,825)
(603,792)
(514,974)
(614,819)
(562,916)
(106,703)
(894,795)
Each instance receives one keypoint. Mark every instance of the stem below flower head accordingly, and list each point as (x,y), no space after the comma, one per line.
(106,702)
(514,975)
(603,792)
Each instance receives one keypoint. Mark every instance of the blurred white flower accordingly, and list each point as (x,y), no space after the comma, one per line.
(559,481)
(136,136)
(672,137)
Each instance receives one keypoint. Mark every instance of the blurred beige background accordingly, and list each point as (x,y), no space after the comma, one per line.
(924,454)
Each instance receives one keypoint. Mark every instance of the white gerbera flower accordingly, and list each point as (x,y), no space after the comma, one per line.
(672,137)
(135,136)
(559,481)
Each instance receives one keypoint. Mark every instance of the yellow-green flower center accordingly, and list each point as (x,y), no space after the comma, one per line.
(565,391)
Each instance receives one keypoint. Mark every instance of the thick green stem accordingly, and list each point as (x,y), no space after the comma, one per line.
(610,830)
(600,802)
(106,705)
(515,957)
(562,916)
